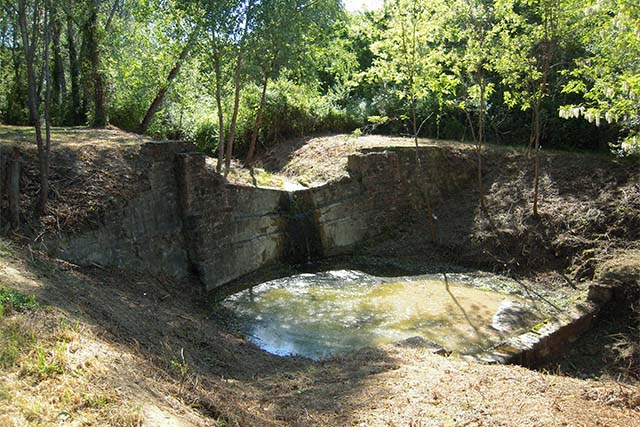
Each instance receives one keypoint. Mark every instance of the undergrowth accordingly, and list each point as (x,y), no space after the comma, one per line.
(12,300)
(625,348)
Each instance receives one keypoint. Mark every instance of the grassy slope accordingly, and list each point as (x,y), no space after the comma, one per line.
(60,368)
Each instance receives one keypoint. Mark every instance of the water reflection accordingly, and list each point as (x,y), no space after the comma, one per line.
(323,314)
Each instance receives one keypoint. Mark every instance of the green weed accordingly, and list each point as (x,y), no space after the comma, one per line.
(5,393)
(12,300)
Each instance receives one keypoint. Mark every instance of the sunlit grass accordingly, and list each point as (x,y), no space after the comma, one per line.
(26,136)
(43,382)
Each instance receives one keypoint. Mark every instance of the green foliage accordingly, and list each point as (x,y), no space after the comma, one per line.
(607,73)
(291,110)
(48,362)
(329,70)
(205,135)
(12,300)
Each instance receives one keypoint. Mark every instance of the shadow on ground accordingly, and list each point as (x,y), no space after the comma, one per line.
(227,377)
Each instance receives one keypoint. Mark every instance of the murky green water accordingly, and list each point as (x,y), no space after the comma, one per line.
(323,314)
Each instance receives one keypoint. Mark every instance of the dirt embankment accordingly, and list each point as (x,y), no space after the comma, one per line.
(92,173)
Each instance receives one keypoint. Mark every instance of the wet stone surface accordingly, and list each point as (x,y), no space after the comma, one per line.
(318,315)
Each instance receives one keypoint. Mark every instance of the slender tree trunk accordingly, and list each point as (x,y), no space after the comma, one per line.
(536,161)
(29,47)
(422,190)
(548,48)
(220,113)
(162,92)
(59,88)
(532,134)
(438,118)
(238,87)
(480,140)
(43,198)
(256,126)
(77,115)
(17,94)
(234,117)
(414,120)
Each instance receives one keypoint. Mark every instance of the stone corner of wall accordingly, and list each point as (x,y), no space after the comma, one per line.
(546,342)
(166,150)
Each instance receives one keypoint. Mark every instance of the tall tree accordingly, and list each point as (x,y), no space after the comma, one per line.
(285,30)
(473,63)
(76,113)
(34,23)
(409,57)
(59,79)
(95,28)
(607,74)
(219,24)
(529,38)
(180,31)
(247,16)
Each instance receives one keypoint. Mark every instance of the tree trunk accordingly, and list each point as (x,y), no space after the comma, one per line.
(238,87)
(234,116)
(77,115)
(256,127)
(13,188)
(43,198)
(220,113)
(59,88)
(162,92)
(480,140)
(29,51)
(423,192)
(536,162)
(548,47)
(92,42)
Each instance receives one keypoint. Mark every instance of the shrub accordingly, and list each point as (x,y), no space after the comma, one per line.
(205,136)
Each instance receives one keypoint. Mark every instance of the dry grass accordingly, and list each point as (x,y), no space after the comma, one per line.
(315,161)
(24,137)
(50,378)
(259,177)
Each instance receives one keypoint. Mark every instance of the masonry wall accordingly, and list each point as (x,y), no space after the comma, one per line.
(230,230)
(383,190)
(192,224)
(146,235)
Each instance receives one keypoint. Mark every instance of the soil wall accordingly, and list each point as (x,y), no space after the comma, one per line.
(191,223)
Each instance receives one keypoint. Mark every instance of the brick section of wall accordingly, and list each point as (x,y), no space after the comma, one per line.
(229,230)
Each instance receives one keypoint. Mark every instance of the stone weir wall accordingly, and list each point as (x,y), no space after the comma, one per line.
(191,223)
